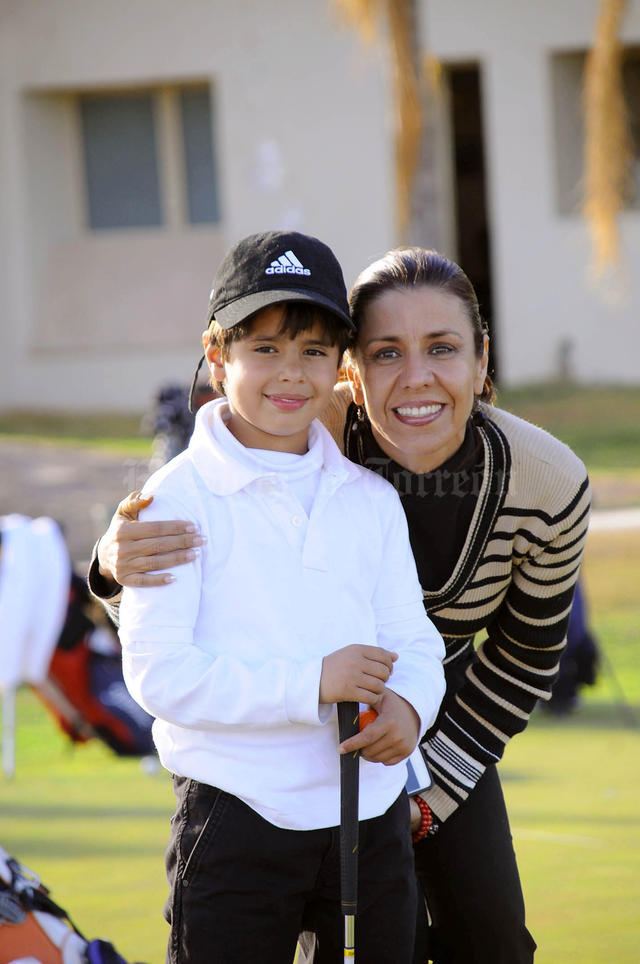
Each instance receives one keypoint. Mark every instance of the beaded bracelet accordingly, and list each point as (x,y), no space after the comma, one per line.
(428,825)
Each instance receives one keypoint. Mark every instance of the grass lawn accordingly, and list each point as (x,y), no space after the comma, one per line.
(118,433)
(573,785)
(95,827)
(601,424)
(572,790)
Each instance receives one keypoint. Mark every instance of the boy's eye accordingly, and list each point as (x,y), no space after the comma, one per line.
(265,349)
(316,352)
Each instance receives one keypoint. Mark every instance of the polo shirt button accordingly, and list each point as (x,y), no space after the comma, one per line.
(296,521)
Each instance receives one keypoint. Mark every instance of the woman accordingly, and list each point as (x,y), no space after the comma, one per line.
(497,513)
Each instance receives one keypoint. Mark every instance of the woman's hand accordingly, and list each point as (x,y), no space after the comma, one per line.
(133,553)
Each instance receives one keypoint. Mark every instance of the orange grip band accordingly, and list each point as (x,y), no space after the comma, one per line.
(367,717)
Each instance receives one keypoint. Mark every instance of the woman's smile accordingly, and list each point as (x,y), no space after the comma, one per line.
(418,413)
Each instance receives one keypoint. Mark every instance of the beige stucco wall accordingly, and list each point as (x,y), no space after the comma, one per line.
(542,289)
(303,139)
(99,319)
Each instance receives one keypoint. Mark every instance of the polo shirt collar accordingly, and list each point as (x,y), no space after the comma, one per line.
(225,476)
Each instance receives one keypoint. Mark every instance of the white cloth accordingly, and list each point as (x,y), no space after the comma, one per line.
(229,656)
(35,573)
(300,472)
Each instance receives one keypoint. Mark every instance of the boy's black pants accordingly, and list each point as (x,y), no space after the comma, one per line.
(242,888)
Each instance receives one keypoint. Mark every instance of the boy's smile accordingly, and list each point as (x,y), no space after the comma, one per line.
(276,385)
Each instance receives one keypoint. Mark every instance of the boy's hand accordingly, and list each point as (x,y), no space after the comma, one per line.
(356,673)
(132,552)
(392,736)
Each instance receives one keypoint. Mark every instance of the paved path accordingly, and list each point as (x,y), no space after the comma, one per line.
(80,487)
(615,519)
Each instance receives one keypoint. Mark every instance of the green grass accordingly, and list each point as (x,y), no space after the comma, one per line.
(601,424)
(573,785)
(572,790)
(117,433)
(95,827)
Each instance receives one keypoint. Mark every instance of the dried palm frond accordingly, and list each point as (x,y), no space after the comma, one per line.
(362,15)
(607,138)
(365,16)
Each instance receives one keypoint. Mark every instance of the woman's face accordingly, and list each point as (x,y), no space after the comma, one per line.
(417,374)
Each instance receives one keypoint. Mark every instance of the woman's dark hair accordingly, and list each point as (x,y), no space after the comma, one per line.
(411,267)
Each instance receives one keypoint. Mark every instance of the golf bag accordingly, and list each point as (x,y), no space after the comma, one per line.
(85,690)
(170,421)
(580,661)
(34,929)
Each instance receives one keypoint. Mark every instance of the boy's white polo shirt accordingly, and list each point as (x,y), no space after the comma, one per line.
(229,656)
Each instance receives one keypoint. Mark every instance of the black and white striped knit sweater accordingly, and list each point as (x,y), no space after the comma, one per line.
(512,587)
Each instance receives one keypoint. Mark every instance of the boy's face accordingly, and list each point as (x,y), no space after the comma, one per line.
(276,385)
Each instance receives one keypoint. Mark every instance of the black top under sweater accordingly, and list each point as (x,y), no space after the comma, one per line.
(439,505)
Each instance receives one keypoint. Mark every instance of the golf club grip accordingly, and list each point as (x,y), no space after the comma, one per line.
(348,725)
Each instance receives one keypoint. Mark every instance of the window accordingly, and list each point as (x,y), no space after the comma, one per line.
(567,72)
(121,161)
(149,158)
(199,159)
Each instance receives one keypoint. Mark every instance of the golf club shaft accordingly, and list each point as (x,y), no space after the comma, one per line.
(349,939)
(349,725)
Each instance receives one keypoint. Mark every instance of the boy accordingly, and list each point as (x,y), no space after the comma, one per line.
(305,593)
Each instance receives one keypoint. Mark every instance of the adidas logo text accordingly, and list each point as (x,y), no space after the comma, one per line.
(287,263)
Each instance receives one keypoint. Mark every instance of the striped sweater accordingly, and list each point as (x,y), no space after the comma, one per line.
(513,583)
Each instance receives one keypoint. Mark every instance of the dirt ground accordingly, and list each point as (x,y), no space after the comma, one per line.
(79,487)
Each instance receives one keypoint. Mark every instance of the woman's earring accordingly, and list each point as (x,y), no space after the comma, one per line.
(477,415)
(359,419)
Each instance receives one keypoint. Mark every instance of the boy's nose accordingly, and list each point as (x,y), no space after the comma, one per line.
(291,369)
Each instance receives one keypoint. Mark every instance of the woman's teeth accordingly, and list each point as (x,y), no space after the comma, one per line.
(417,411)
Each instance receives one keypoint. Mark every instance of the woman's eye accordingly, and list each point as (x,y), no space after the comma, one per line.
(441,349)
(385,354)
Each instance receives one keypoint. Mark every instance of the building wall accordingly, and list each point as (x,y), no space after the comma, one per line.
(546,304)
(97,319)
(303,138)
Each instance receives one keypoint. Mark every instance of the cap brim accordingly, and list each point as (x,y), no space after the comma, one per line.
(232,314)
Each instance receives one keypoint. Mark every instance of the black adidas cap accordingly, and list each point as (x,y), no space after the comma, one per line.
(264,269)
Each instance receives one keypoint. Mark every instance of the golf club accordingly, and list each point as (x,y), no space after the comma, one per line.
(349,725)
